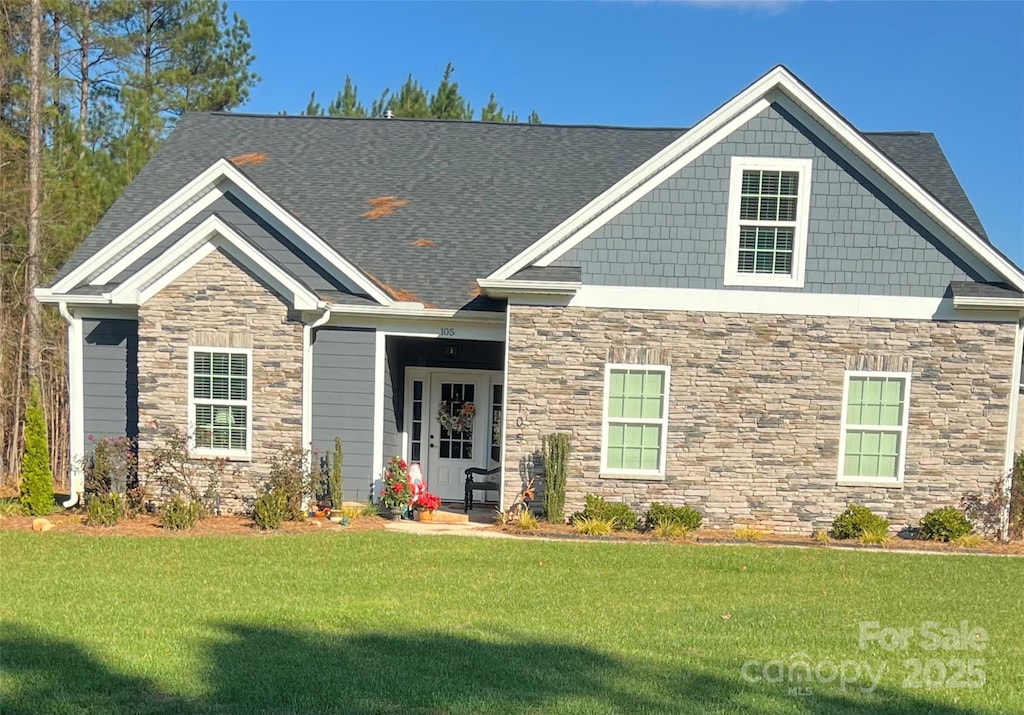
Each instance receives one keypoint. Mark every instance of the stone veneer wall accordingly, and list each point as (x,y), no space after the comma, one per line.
(755,407)
(218,304)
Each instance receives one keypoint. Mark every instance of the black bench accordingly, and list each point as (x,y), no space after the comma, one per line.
(485,486)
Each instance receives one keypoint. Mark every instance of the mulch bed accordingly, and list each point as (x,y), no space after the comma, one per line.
(73,523)
(714,537)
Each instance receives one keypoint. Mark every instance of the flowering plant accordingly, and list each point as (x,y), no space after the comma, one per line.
(397,491)
(426,502)
(456,419)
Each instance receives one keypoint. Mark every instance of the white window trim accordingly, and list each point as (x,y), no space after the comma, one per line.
(230,454)
(652,474)
(903,429)
(732,276)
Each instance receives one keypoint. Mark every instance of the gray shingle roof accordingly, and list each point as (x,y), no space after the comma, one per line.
(970,289)
(479,193)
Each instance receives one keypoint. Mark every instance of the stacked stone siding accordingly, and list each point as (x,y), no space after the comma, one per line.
(755,407)
(219,304)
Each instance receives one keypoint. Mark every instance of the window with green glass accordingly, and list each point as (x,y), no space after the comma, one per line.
(221,400)
(875,426)
(637,406)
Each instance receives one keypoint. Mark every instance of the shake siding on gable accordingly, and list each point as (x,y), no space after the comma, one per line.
(110,379)
(343,360)
(858,241)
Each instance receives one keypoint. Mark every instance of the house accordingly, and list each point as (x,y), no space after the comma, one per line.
(767,316)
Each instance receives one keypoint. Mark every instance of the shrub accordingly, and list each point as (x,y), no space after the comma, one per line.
(876,533)
(986,509)
(270,509)
(821,536)
(591,526)
(685,516)
(112,466)
(855,521)
(556,469)
(290,475)
(36,477)
(179,514)
(526,520)
(945,524)
(618,513)
(967,541)
(336,479)
(195,481)
(747,533)
(11,507)
(670,530)
(104,510)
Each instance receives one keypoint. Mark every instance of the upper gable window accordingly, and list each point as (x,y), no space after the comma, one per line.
(766,236)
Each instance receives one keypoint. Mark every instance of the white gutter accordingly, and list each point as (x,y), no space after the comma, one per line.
(967,302)
(307,383)
(76,407)
(498,288)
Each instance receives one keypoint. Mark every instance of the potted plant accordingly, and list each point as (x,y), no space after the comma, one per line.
(425,505)
(397,491)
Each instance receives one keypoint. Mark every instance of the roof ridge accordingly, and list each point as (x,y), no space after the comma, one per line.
(429,120)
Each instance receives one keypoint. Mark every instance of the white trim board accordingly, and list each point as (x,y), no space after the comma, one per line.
(220,171)
(779,303)
(781,84)
(76,404)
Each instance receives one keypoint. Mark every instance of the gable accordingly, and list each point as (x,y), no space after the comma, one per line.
(247,224)
(859,240)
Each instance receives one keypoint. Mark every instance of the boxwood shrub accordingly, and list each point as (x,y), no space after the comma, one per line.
(622,517)
(664,514)
(945,524)
(855,521)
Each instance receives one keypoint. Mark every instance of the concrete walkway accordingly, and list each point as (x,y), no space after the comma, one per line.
(464,529)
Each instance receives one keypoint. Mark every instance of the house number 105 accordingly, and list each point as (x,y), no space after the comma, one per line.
(447,332)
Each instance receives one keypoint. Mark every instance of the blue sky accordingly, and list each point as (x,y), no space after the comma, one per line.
(955,69)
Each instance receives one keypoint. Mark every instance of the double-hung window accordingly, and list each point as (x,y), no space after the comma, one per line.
(635,420)
(766,234)
(873,443)
(220,401)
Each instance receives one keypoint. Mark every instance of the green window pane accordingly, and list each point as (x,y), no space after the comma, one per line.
(889,416)
(853,443)
(892,392)
(652,408)
(888,443)
(868,465)
(887,467)
(631,457)
(616,407)
(851,465)
(634,383)
(633,436)
(654,384)
(856,390)
(615,457)
(633,407)
(616,435)
(652,436)
(869,443)
(649,459)
(872,391)
(616,386)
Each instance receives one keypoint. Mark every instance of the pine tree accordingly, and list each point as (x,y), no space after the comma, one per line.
(447,103)
(347,103)
(313,108)
(36,477)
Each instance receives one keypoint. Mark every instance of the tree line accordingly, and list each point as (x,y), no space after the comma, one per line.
(88,90)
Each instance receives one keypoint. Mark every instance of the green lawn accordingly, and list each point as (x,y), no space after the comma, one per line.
(383,622)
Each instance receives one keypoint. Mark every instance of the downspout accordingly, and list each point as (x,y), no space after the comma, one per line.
(307,381)
(1011,428)
(76,428)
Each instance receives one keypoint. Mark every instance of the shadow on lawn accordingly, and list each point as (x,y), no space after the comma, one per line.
(259,670)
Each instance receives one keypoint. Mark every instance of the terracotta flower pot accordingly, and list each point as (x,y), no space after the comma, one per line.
(425,515)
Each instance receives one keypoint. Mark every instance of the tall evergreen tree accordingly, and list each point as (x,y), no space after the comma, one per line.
(447,103)
(347,103)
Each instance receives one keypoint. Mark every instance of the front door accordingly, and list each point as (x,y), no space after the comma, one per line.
(457,438)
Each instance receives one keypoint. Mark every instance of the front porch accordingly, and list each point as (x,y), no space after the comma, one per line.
(443,402)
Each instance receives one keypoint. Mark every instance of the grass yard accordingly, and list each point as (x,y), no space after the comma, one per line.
(378,622)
